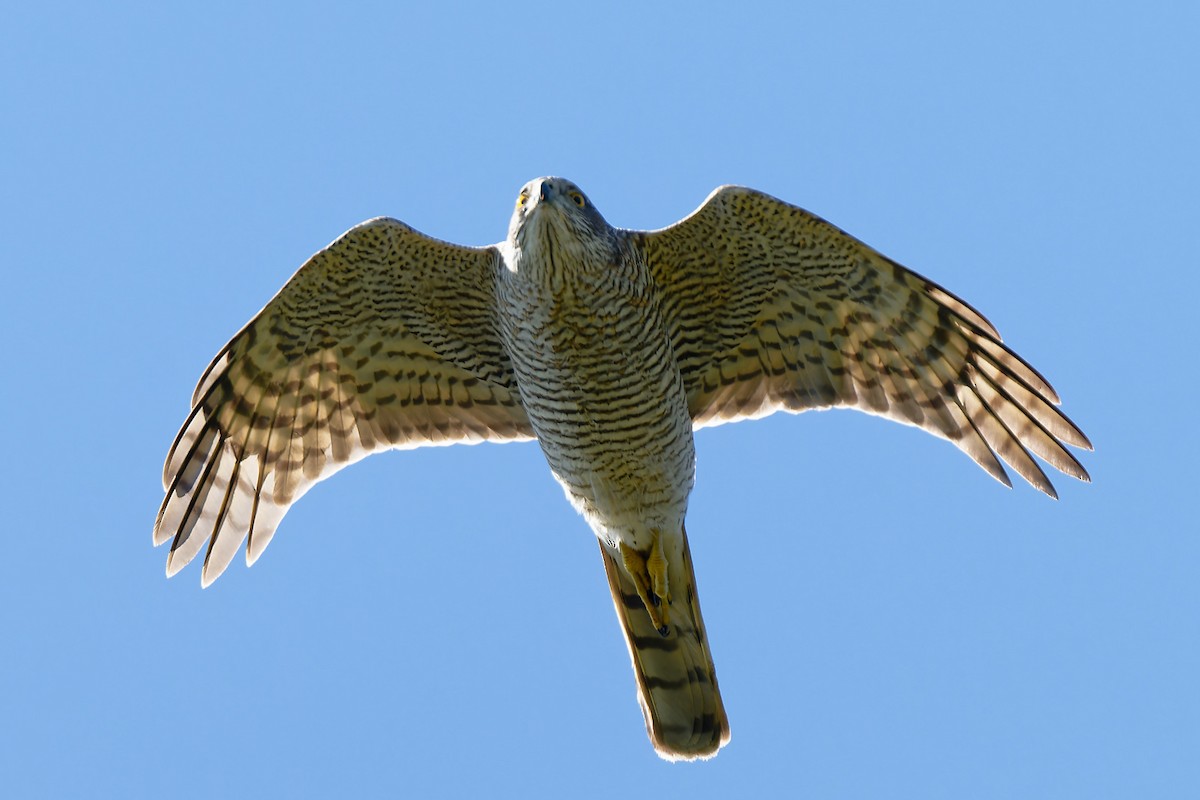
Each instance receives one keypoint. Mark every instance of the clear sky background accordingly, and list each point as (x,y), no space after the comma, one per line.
(886,619)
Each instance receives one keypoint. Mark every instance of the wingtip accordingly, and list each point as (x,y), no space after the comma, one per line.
(1002,475)
(210,572)
(158,535)
(175,565)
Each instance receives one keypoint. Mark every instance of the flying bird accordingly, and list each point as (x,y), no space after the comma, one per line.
(609,347)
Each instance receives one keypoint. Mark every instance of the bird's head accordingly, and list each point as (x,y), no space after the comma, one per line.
(553,214)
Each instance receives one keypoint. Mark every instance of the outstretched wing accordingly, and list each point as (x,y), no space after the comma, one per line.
(382,340)
(771,308)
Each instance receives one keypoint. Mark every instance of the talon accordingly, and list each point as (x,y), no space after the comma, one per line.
(656,565)
(650,578)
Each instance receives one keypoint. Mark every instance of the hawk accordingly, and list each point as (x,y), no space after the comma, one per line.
(609,347)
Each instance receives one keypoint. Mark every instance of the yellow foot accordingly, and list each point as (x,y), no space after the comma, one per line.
(649,575)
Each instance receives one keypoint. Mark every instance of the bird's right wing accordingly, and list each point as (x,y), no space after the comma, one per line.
(771,308)
(384,339)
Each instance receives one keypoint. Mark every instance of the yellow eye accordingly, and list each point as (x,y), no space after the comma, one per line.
(522,197)
(578,198)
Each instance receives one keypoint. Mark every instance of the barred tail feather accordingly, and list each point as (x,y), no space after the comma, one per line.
(676,680)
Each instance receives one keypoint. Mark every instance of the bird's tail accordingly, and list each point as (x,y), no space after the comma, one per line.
(677,684)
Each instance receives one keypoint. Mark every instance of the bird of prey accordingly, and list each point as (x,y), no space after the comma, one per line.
(609,347)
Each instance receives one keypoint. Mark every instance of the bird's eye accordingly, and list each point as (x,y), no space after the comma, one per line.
(522,197)
(578,198)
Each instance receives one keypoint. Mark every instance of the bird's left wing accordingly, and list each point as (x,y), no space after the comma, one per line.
(384,339)
(771,308)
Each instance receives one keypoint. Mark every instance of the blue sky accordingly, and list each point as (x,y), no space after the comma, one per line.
(886,619)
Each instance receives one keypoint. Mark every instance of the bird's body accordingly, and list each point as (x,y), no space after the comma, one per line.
(581,320)
(618,440)
(609,347)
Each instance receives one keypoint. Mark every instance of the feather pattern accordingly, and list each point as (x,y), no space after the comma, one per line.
(383,340)
(773,309)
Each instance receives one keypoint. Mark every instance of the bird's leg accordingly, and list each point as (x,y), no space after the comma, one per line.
(649,575)
(656,565)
